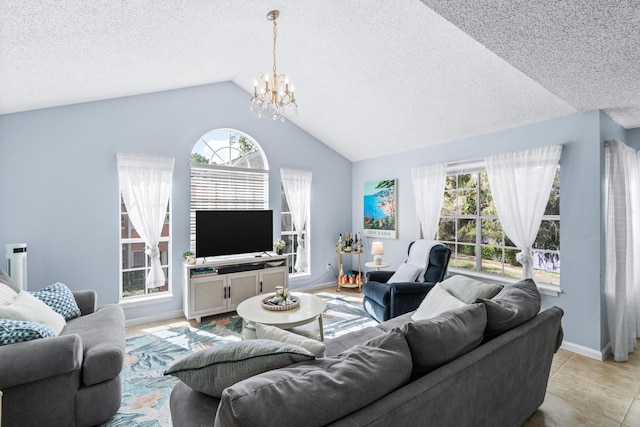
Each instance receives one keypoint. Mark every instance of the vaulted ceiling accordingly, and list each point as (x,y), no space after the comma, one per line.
(372,77)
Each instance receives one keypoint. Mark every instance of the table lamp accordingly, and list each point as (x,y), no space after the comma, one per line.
(377,251)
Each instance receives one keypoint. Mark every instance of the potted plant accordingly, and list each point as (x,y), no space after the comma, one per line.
(189,257)
(278,246)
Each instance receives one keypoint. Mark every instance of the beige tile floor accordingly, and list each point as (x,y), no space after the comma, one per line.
(581,391)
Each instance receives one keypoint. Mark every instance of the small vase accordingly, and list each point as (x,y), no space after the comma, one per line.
(279,251)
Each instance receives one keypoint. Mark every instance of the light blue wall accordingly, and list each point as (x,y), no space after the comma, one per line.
(581,218)
(59,191)
(611,130)
(633,137)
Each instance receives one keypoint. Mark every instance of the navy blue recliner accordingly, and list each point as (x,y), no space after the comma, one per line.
(384,301)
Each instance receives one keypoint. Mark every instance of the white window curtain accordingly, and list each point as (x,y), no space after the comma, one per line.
(145,183)
(428,190)
(622,240)
(520,183)
(297,190)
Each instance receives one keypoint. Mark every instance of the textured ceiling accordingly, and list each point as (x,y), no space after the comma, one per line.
(586,52)
(372,77)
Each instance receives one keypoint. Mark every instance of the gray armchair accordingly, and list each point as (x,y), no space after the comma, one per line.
(69,380)
(384,301)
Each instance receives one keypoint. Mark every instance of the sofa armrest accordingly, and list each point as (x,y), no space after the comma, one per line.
(377,291)
(407,296)
(30,361)
(379,276)
(411,287)
(86,300)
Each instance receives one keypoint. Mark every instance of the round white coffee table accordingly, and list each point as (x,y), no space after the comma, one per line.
(311,308)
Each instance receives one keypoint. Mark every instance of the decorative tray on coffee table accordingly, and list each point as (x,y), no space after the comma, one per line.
(269,304)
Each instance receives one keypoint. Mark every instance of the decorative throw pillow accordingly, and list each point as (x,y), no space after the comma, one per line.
(212,370)
(7,295)
(318,392)
(14,331)
(29,308)
(514,304)
(405,273)
(437,341)
(60,298)
(274,333)
(469,290)
(436,302)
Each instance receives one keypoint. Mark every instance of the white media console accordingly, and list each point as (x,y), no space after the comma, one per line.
(220,284)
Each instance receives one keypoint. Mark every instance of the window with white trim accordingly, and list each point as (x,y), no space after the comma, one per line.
(135,263)
(470,227)
(288,233)
(229,171)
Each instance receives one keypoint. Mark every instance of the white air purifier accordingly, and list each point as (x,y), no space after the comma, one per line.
(16,263)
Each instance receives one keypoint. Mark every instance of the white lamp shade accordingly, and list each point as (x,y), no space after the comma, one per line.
(377,250)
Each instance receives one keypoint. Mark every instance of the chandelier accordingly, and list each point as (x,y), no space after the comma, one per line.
(274,98)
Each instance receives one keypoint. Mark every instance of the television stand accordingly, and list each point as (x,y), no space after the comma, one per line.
(219,285)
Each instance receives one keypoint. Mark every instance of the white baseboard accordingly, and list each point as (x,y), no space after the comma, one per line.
(154,318)
(586,351)
(314,287)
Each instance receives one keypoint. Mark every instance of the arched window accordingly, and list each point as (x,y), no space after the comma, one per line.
(229,171)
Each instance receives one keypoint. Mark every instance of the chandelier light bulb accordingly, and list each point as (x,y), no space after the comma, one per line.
(275,97)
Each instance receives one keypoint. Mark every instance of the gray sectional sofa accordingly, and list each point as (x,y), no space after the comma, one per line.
(391,375)
(69,380)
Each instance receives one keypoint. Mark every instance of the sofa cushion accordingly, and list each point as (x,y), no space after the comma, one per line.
(396,322)
(437,341)
(406,273)
(469,290)
(320,391)
(211,370)
(60,299)
(274,333)
(7,294)
(514,305)
(27,307)
(103,343)
(14,331)
(344,342)
(437,301)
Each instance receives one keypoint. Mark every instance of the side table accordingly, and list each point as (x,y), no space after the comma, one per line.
(376,266)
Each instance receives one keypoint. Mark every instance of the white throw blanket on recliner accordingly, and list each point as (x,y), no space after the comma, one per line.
(419,255)
(415,267)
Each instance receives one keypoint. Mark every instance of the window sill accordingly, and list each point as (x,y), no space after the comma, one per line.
(145,300)
(543,288)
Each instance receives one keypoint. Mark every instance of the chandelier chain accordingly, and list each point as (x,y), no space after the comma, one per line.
(275,33)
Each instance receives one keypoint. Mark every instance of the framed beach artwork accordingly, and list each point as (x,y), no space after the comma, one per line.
(380,209)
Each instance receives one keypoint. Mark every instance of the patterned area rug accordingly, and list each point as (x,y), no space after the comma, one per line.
(145,394)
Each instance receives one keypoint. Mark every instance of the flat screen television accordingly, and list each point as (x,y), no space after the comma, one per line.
(233,232)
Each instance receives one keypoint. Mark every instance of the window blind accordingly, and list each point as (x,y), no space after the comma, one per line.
(226,188)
